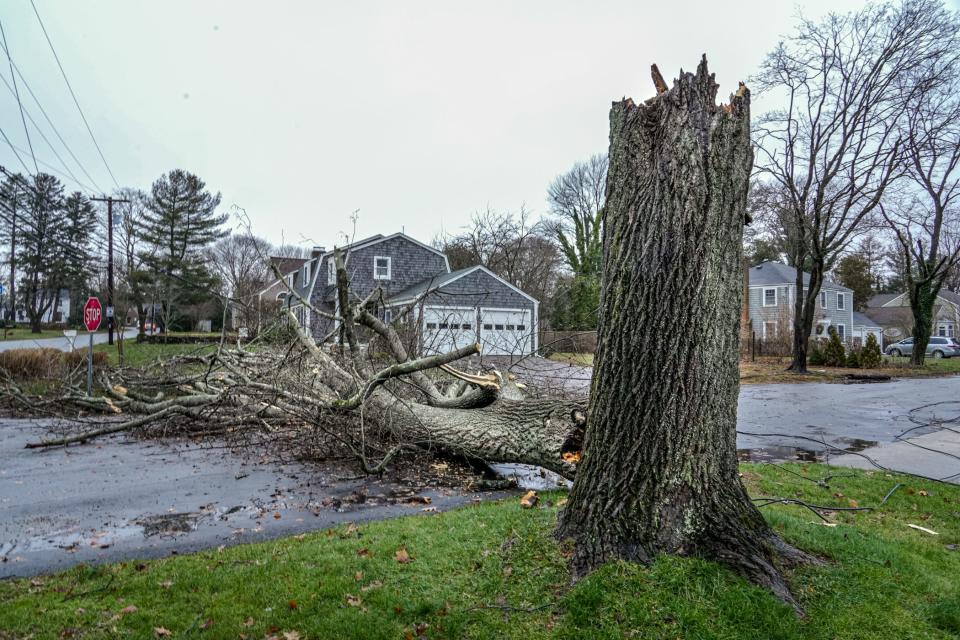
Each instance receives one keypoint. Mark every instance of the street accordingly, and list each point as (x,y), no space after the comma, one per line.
(62,344)
(122,498)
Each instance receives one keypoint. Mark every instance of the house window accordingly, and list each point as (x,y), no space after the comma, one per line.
(466,326)
(387,316)
(331,271)
(306,272)
(290,279)
(823,299)
(769,297)
(841,330)
(431,325)
(487,327)
(381,268)
(840,303)
(521,327)
(945,330)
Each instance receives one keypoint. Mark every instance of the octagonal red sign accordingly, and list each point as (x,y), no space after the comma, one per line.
(92,314)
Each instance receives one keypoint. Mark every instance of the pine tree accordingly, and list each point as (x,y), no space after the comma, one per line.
(179,223)
(870,354)
(834,354)
(40,247)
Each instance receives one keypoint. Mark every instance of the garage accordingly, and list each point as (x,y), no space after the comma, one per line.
(505,332)
(448,328)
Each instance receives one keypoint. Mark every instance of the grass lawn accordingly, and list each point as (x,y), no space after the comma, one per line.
(584,359)
(141,353)
(23,333)
(773,369)
(494,570)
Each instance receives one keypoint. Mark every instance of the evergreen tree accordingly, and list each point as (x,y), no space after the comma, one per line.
(77,265)
(834,354)
(870,354)
(41,247)
(180,221)
(854,273)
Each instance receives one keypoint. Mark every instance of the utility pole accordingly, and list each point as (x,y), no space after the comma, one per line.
(13,258)
(110,312)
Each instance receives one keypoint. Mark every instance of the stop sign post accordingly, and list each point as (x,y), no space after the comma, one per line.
(92,316)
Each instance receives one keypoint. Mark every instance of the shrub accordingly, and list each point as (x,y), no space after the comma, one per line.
(77,359)
(834,354)
(815,354)
(870,357)
(32,363)
(854,358)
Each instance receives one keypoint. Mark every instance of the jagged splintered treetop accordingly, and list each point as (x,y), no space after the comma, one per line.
(703,81)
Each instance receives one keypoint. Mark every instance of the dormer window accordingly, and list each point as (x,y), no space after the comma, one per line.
(331,270)
(306,272)
(381,268)
(840,302)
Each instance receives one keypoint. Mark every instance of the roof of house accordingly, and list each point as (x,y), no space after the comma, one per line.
(286,264)
(890,316)
(443,279)
(862,319)
(773,273)
(881,299)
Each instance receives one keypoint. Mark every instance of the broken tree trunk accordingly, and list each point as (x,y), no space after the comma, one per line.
(660,472)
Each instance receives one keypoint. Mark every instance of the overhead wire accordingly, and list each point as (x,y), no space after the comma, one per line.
(73,95)
(16,92)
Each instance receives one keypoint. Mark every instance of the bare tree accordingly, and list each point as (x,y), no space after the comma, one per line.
(511,245)
(239,260)
(923,216)
(576,201)
(835,147)
(132,276)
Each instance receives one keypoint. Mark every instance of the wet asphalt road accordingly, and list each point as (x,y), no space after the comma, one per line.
(82,341)
(120,499)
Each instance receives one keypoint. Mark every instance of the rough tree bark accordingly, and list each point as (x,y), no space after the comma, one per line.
(660,473)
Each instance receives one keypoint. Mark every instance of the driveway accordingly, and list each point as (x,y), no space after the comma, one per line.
(61,343)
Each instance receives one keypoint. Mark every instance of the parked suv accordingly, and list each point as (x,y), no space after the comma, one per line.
(937,347)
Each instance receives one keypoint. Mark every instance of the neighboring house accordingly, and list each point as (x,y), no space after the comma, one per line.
(450,309)
(892,312)
(863,326)
(55,313)
(772,294)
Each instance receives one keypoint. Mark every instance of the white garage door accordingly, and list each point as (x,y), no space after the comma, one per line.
(446,329)
(505,332)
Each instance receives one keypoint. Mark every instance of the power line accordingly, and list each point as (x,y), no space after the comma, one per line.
(72,94)
(49,167)
(43,135)
(54,127)
(16,93)
(12,148)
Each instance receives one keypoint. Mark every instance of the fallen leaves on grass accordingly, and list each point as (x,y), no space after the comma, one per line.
(162,632)
(207,624)
(129,609)
(166,584)
(529,500)
(376,584)
(365,553)
(402,556)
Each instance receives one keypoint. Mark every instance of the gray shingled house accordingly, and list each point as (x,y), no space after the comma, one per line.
(451,308)
(772,289)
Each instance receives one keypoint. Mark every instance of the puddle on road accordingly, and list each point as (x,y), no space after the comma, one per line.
(781,453)
(530,477)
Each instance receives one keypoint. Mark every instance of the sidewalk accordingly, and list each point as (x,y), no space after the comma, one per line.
(935,455)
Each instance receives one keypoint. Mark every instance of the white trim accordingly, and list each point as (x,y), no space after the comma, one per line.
(823,299)
(844,335)
(841,301)
(763,297)
(389,273)
(889,303)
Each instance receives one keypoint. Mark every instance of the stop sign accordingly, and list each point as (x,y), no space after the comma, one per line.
(92,314)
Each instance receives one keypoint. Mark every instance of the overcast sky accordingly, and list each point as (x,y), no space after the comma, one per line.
(416,113)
